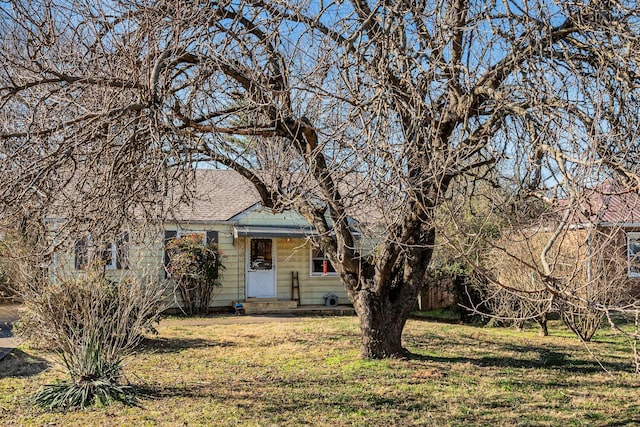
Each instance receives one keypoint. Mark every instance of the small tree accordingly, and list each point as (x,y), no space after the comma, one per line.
(195,268)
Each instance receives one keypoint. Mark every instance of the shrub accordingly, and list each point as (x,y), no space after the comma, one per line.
(195,268)
(92,324)
(8,291)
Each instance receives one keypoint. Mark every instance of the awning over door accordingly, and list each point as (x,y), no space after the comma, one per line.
(271,231)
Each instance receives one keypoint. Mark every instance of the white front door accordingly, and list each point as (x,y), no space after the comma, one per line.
(261,268)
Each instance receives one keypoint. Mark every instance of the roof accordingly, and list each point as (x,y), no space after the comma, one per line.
(207,195)
(215,195)
(609,203)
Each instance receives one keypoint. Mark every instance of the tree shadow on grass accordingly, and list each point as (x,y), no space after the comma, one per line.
(175,345)
(546,358)
(21,364)
(244,399)
(633,421)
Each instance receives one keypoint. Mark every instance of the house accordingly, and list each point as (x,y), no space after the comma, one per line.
(267,255)
(594,255)
(593,252)
(612,213)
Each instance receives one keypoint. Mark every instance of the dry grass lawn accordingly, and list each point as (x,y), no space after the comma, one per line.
(307,372)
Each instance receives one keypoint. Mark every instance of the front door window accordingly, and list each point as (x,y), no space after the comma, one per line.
(261,255)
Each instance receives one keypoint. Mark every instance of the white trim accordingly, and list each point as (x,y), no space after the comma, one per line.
(113,265)
(93,252)
(318,273)
(635,237)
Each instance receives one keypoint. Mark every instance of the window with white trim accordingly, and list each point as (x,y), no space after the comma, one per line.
(320,264)
(633,254)
(112,255)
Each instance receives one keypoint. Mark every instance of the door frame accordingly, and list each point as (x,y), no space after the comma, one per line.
(274,267)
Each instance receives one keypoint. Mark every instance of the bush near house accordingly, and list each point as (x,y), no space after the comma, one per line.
(195,268)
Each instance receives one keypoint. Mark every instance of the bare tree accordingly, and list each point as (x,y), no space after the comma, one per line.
(372,110)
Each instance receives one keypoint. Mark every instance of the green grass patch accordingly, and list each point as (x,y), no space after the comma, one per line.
(445,314)
(307,372)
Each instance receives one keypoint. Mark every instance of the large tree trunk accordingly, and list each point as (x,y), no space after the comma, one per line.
(381,324)
(383,308)
(542,322)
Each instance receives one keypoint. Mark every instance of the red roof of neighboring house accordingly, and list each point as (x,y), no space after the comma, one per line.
(609,203)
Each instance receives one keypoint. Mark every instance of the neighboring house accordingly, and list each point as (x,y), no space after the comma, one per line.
(614,214)
(264,253)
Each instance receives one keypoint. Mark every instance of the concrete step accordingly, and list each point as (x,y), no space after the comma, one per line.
(253,306)
(291,307)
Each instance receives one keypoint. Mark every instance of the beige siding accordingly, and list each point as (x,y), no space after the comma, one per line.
(146,260)
(295,255)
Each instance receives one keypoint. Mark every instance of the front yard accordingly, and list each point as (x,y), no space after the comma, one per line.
(306,372)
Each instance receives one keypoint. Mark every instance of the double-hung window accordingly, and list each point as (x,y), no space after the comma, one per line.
(320,264)
(112,255)
(633,254)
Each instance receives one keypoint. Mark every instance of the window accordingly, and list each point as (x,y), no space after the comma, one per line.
(320,265)
(261,254)
(113,255)
(109,255)
(633,254)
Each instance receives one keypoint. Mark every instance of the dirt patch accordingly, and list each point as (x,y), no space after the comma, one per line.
(229,320)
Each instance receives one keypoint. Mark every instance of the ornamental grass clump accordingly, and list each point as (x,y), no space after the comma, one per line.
(92,324)
(195,268)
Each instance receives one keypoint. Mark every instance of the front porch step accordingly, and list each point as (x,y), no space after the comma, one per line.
(260,307)
(254,306)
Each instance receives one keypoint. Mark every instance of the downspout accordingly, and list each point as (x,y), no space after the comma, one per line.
(240,279)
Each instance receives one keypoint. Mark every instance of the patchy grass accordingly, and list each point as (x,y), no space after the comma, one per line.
(307,372)
(444,314)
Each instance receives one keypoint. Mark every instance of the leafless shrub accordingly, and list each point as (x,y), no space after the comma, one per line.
(92,324)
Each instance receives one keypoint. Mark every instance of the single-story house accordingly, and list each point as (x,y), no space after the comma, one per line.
(267,256)
(612,212)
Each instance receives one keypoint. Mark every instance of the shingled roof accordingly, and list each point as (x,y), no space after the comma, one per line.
(216,195)
(609,203)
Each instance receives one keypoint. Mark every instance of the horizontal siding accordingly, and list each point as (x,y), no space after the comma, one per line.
(146,260)
(295,256)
